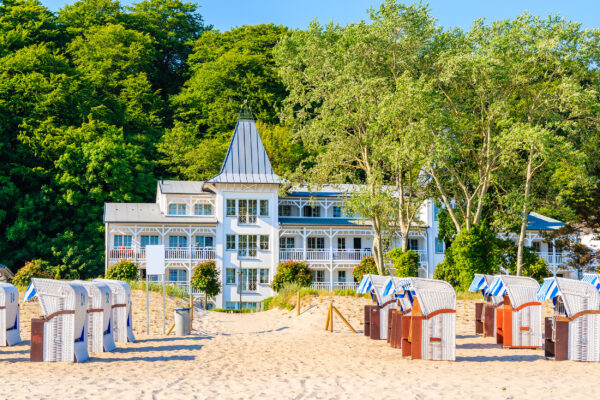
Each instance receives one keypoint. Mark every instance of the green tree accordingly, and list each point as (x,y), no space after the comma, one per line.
(124,270)
(205,278)
(406,263)
(366,266)
(32,269)
(291,272)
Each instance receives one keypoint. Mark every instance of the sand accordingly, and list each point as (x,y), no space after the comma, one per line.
(276,355)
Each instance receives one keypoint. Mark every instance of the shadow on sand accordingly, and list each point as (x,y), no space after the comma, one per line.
(506,358)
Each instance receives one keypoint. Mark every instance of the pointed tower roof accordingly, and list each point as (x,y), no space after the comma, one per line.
(246,160)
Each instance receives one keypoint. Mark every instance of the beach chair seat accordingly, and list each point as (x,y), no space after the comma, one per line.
(122,315)
(64,328)
(100,317)
(9,315)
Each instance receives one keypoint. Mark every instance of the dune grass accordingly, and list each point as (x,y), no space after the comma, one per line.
(171,290)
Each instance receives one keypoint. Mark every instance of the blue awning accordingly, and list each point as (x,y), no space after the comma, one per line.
(548,290)
(365,285)
(592,279)
(478,283)
(497,288)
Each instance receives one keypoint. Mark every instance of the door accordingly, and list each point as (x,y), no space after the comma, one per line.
(357,243)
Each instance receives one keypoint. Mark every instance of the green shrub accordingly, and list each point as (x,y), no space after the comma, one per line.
(477,250)
(32,269)
(406,263)
(291,272)
(206,279)
(170,290)
(123,271)
(367,266)
(533,266)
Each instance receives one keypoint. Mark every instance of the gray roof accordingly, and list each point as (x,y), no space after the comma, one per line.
(181,187)
(246,160)
(148,212)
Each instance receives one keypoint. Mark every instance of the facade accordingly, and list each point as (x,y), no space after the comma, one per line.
(239,220)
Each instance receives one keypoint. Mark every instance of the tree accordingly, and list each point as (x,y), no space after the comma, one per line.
(124,270)
(82,15)
(291,272)
(405,263)
(32,269)
(206,279)
(366,266)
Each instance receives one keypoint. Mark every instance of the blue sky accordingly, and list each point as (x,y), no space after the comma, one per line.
(225,14)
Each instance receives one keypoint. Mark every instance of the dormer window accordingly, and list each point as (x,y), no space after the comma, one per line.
(203,209)
(177,209)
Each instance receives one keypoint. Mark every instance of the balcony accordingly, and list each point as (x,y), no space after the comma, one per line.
(553,259)
(334,285)
(171,253)
(336,256)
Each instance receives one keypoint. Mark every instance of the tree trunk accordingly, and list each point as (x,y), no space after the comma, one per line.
(524,215)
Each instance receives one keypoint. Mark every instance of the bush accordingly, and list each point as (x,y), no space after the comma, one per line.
(206,279)
(32,269)
(533,266)
(123,271)
(477,250)
(291,272)
(406,263)
(367,266)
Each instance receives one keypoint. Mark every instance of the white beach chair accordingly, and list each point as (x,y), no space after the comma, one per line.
(433,320)
(100,318)
(9,315)
(486,311)
(573,333)
(122,316)
(519,321)
(375,285)
(65,306)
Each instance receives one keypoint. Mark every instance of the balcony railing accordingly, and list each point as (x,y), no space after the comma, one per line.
(171,253)
(552,258)
(324,255)
(335,285)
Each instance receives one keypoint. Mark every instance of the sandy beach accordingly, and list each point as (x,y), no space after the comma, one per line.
(276,354)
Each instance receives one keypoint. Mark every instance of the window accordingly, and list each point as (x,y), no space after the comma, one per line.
(342,276)
(230,242)
(177,275)
(316,243)
(341,243)
(204,241)
(176,209)
(264,208)
(263,275)
(234,305)
(413,244)
(178,241)
(149,240)
(122,240)
(247,245)
(337,212)
(264,242)
(310,211)
(249,279)
(536,247)
(318,275)
(286,243)
(439,245)
(550,247)
(230,276)
(285,210)
(436,211)
(230,208)
(247,211)
(203,209)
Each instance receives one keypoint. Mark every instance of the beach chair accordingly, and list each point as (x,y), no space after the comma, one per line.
(122,316)
(100,318)
(573,333)
(9,315)
(404,306)
(62,334)
(376,317)
(592,279)
(518,321)
(429,333)
(485,312)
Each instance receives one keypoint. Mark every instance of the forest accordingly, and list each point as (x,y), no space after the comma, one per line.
(99,100)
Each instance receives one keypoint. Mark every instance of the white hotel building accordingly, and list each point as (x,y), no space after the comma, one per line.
(239,220)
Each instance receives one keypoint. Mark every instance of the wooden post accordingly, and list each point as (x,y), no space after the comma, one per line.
(331,317)
(343,319)
(170,329)
(298,305)
(328,318)
(191,311)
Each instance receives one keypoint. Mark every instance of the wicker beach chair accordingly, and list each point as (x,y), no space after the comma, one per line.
(404,297)
(65,306)
(100,318)
(122,316)
(573,333)
(377,317)
(9,315)
(485,312)
(519,321)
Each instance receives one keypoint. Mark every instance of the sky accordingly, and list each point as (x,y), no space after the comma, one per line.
(226,14)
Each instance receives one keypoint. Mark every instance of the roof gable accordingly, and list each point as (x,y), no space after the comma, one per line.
(246,160)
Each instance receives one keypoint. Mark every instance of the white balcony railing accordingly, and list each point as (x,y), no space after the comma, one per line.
(552,259)
(324,255)
(171,253)
(335,285)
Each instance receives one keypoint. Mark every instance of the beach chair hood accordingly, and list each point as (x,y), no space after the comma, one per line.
(9,315)
(577,296)
(520,289)
(375,284)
